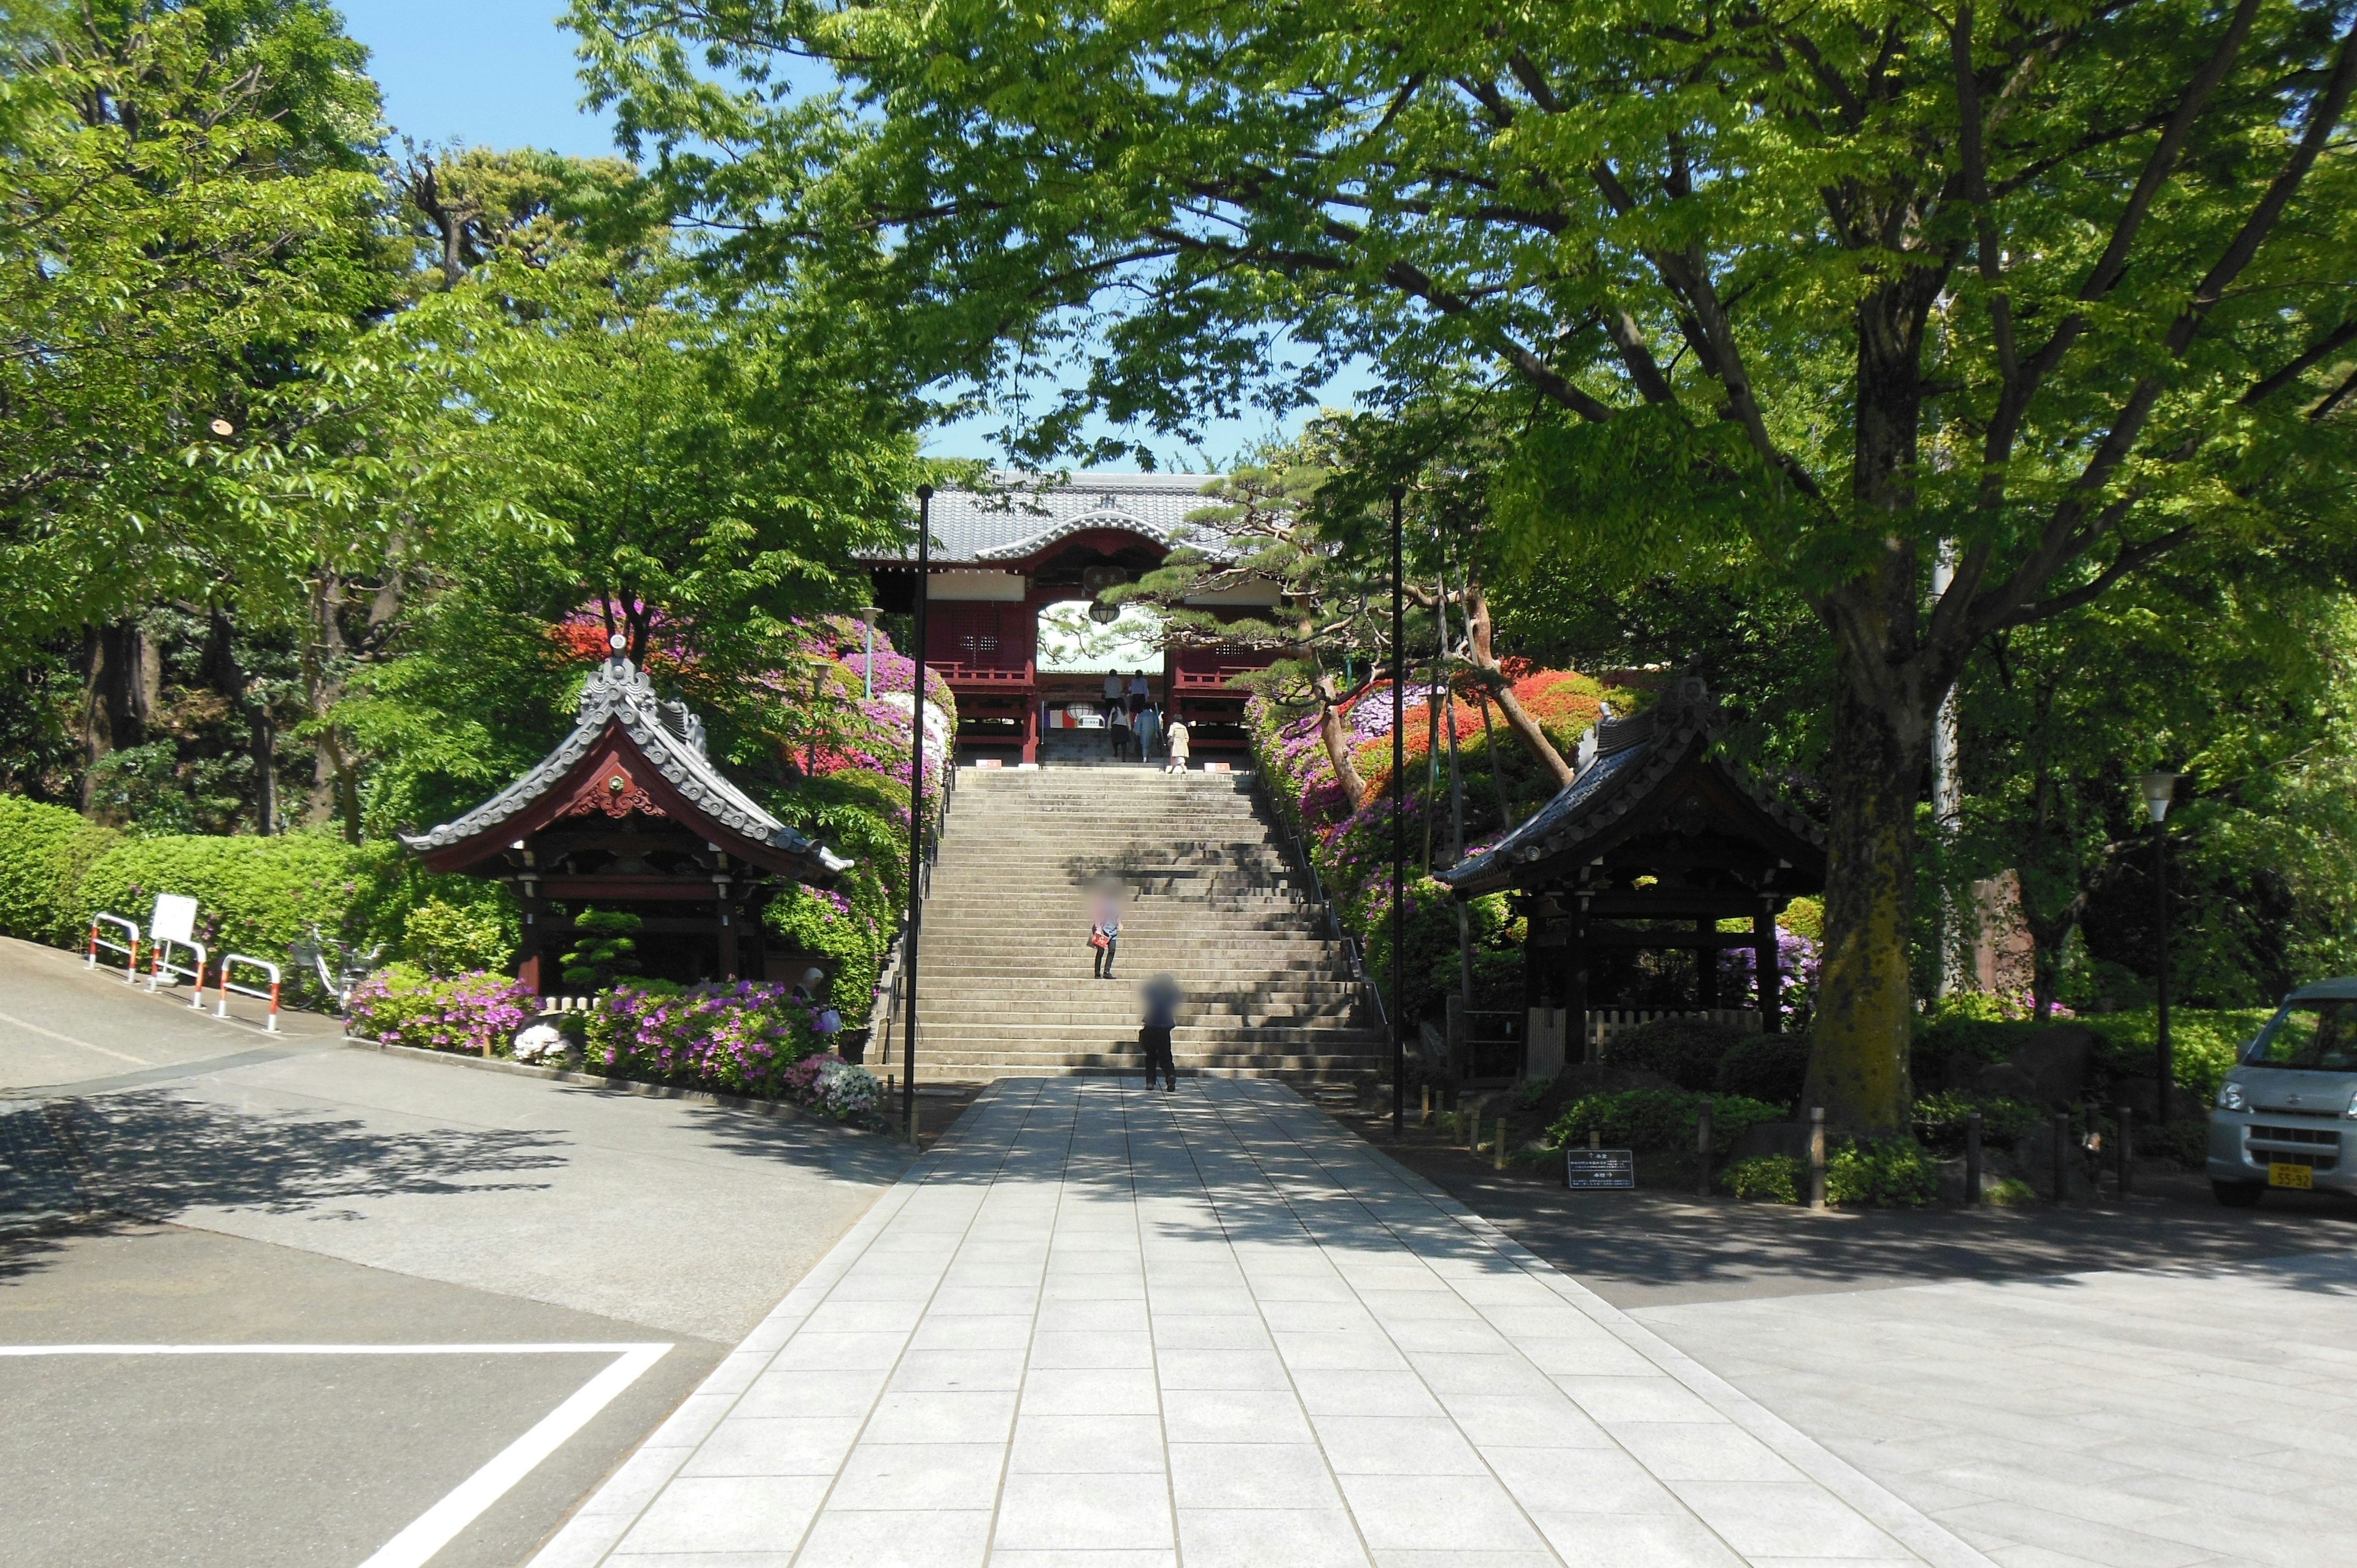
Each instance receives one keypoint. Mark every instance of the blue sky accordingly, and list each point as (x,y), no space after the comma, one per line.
(500,73)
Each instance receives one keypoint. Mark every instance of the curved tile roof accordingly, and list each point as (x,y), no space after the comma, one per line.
(1622,761)
(1020,514)
(671,738)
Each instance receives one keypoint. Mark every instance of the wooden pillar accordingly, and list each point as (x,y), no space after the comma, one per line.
(725,913)
(1031,725)
(1705,964)
(1574,983)
(1764,965)
(528,949)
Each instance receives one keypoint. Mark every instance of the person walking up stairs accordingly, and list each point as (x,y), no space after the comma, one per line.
(1207,899)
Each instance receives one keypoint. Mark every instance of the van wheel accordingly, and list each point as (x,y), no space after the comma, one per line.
(2239,1194)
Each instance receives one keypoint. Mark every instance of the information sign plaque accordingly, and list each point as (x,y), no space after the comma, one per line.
(1600,1170)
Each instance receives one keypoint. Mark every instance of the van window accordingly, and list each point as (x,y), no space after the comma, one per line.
(2317,1035)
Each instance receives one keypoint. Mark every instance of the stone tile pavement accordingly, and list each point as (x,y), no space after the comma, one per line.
(1101,1326)
(2202,1414)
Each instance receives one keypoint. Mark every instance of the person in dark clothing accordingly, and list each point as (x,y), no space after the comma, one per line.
(1162,999)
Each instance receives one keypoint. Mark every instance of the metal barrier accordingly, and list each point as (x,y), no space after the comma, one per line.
(229,961)
(130,954)
(162,949)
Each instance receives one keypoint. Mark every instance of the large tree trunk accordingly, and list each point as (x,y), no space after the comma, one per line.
(334,791)
(1866,1011)
(1886,698)
(121,686)
(1492,678)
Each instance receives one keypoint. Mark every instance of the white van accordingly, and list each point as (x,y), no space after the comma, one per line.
(2286,1113)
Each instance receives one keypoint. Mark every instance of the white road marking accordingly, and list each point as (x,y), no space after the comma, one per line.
(69,1040)
(438,1526)
(433,1529)
(563,1347)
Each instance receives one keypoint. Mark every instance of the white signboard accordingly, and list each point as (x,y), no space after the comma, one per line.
(175,919)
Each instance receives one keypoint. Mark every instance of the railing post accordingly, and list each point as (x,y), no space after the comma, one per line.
(1702,1147)
(1816,1157)
(2127,1147)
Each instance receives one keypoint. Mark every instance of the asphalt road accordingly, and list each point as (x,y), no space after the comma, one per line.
(288,1189)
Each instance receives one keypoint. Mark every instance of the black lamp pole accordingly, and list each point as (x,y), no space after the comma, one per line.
(2165,1058)
(1398,1009)
(2158,790)
(916,807)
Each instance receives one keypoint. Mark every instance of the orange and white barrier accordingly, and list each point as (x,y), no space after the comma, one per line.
(164,969)
(130,953)
(231,961)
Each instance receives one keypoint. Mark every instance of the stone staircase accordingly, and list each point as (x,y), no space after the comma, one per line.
(1206,898)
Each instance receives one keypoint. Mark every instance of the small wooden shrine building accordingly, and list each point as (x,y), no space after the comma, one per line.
(1652,844)
(629,814)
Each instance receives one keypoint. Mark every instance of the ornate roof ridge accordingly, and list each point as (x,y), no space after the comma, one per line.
(669,734)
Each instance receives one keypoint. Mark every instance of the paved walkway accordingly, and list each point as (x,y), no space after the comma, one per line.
(2202,1413)
(1099,1326)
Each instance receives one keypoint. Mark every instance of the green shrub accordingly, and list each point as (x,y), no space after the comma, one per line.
(1686,1051)
(1661,1120)
(46,853)
(1770,1068)
(445,938)
(604,947)
(1774,1178)
(254,895)
(1893,1174)
(2203,1043)
(1940,1119)
(2008,1192)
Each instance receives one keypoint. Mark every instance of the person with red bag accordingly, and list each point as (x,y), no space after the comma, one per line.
(1104,934)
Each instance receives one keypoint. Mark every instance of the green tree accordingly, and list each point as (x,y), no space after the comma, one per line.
(1802,291)
(188,220)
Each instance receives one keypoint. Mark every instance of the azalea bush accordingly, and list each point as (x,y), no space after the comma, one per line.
(834,1087)
(404,1005)
(738,1038)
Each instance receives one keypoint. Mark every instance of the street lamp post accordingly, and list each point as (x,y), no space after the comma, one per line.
(916,809)
(1398,1009)
(2158,790)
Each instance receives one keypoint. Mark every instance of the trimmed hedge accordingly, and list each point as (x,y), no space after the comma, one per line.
(254,896)
(46,853)
(1774,1067)
(1686,1051)
(1658,1121)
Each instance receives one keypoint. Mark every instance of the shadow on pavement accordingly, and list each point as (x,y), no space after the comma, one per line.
(155,1155)
(1653,1248)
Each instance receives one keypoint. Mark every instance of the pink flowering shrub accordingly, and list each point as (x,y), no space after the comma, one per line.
(738,1038)
(404,1005)
(745,1039)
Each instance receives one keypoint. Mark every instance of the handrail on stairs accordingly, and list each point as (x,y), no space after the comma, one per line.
(1297,854)
(884,1006)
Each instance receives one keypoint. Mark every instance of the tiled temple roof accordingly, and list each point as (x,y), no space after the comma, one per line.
(1022,514)
(671,738)
(1621,763)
